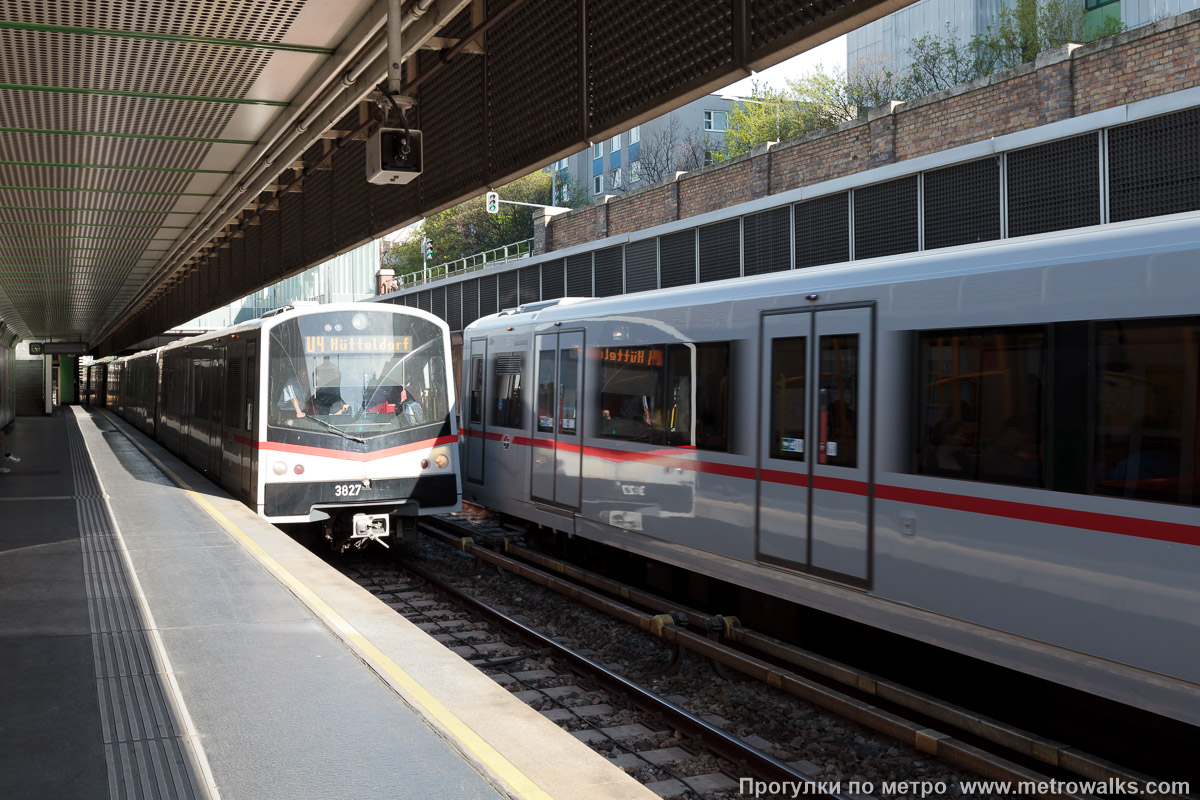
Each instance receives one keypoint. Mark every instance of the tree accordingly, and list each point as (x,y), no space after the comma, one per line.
(939,61)
(668,150)
(768,115)
(812,102)
(466,229)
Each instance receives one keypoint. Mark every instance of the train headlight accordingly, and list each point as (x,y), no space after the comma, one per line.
(298,469)
(279,468)
(441,460)
(359,321)
(424,463)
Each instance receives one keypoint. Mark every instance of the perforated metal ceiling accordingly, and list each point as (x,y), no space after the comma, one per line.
(134,133)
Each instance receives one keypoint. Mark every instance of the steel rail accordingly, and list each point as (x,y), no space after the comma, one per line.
(908,732)
(1027,744)
(725,745)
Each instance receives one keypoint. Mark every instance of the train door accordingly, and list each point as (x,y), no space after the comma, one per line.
(233,441)
(475,429)
(557,449)
(249,467)
(216,411)
(815,442)
(184,373)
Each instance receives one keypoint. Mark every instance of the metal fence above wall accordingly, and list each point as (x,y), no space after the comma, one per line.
(1136,170)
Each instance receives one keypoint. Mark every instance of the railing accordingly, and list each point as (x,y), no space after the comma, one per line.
(500,255)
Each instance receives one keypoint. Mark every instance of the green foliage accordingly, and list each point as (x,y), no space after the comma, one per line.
(811,102)
(467,228)
(938,61)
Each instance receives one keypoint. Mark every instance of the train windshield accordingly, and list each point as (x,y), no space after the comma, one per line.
(356,376)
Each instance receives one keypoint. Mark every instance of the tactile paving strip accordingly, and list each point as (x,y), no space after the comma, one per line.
(144,750)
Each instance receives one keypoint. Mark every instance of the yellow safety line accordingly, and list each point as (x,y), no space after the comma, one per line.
(501,766)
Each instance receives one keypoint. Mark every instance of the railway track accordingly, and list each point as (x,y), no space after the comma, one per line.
(673,752)
(681,753)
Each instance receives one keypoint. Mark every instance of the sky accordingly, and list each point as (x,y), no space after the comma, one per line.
(831,55)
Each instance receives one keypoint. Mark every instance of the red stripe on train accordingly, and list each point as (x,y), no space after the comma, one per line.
(1029,512)
(331,453)
(1177,532)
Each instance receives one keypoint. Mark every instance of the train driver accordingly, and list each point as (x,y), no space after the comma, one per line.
(329,389)
(290,395)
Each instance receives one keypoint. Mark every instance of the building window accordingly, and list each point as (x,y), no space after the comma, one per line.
(614,144)
(1091,5)
(598,150)
(709,158)
(635,134)
(635,171)
(598,184)
(616,178)
(715,120)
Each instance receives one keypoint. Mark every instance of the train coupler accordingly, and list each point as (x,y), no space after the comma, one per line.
(369,528)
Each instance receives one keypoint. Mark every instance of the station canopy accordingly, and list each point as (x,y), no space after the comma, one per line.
(160,159)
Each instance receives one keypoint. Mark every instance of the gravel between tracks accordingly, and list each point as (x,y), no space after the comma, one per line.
(815,742)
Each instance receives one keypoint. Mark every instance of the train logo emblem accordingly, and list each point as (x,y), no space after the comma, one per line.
(506,441)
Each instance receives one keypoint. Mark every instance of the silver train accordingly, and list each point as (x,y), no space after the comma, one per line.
(341,414)
(991,448)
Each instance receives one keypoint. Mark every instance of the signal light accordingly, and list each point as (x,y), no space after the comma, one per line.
(493,202)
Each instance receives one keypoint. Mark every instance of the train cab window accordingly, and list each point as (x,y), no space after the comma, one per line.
(507,411)
(1147,415)
(982,406)
(665,394)
(631,384)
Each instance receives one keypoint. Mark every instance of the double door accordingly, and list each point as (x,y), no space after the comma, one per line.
(557,438)
(815,442)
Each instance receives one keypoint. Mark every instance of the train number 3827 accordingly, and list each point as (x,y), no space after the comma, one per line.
(347,490)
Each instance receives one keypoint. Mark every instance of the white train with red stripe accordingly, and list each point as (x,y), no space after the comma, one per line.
(991,448)
(342,414)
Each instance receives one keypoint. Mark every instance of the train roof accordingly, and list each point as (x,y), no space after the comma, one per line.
(1166,234)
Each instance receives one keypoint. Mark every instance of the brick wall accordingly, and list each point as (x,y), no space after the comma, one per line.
(1070,81)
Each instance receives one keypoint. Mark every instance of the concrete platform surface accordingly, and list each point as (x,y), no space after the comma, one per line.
(159,639)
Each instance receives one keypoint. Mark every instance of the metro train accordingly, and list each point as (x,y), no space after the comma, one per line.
(341,414)
(993,448)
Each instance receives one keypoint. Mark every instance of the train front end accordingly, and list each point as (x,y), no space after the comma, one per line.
(360,430)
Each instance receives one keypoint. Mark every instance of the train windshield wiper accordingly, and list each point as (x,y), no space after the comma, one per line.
(338,430)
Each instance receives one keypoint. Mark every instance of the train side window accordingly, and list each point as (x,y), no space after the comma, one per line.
(507,411)
(788,365)
(476,390)
(712,396)
(1147,410)
(982,406)
(681,370)
(838,400)
(545,392)
(568,402)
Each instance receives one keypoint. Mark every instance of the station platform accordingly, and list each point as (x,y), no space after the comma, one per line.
(159,640)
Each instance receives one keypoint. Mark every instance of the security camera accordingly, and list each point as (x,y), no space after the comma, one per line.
(393,156)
